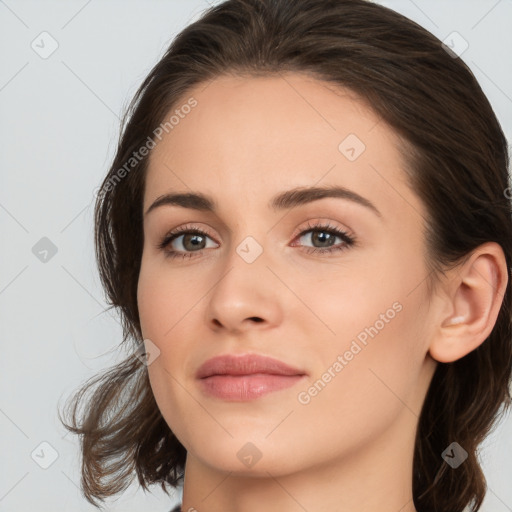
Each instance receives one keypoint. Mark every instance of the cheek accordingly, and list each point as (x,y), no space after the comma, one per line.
(161,306)
(366,376)
(372,318)
(168,311)
(341,305)
(152,302)
(162,299)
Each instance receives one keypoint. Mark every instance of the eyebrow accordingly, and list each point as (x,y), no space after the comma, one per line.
(282,201)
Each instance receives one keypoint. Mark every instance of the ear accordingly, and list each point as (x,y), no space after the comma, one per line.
(471,303)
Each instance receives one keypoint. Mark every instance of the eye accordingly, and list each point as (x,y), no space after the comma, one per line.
(193,240)
(325,235)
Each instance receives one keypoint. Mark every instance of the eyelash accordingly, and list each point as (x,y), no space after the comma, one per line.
(327,228)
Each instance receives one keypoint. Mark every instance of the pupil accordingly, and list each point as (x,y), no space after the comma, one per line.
(193,239)
(322,235)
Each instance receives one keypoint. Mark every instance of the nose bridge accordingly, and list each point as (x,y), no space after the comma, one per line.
(248,236)
(244,290)
(245,265)
(250,249)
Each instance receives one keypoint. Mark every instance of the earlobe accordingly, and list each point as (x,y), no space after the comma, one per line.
(474,298)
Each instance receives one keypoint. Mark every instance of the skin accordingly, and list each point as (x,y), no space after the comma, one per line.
(351,447)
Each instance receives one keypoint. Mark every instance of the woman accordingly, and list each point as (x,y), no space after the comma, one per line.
(307,231)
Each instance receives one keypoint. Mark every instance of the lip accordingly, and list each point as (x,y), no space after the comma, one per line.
(246,377)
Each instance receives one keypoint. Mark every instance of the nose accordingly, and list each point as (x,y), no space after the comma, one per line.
(245,296)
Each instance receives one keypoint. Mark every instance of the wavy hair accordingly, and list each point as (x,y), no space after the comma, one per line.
(457,164)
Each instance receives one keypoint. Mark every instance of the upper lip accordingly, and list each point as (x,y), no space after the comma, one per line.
(247,364)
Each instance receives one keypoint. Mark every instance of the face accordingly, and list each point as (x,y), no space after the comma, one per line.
(332,286)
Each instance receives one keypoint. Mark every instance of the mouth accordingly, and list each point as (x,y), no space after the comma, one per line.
(247,377)
(240,388)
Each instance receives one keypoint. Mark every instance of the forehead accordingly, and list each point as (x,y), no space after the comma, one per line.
(253,136)
(271,109)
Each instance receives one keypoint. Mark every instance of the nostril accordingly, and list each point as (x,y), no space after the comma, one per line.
(256,319)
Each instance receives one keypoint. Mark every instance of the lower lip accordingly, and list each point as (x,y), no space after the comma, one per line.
(240,388)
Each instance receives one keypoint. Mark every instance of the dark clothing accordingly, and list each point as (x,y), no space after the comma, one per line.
(177,508)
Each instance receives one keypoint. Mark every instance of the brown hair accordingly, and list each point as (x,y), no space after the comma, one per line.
(457,164)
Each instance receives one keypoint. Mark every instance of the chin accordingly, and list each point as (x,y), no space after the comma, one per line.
(245,455)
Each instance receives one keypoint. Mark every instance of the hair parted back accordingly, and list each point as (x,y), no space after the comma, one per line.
(457,164)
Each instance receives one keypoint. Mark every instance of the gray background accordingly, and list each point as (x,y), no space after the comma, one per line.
(59,123)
